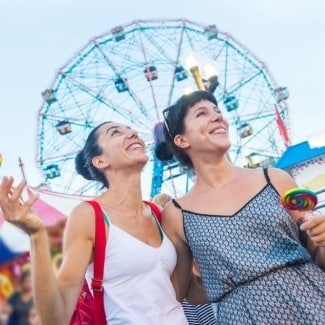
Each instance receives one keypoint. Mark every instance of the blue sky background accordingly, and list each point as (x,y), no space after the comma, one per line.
(39,37)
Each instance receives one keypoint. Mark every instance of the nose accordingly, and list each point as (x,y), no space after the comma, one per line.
(216,116)
(132,133)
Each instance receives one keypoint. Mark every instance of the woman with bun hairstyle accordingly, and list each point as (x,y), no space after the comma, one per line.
(252,262)
(139,256)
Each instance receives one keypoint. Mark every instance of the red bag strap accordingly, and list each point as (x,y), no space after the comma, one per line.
(156,210)
(99,258)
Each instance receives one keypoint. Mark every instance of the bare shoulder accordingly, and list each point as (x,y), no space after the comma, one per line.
(78,244)
(172,220)
(281,180)
(170,212)
(81,222)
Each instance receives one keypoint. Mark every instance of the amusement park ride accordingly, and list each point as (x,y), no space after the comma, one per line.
(132,72)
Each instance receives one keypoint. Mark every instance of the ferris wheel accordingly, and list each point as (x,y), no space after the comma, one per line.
(131,73)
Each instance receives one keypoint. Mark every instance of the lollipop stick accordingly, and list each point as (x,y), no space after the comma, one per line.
(308,215)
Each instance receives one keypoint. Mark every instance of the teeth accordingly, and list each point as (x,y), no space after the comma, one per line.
(135,146)
(219,130)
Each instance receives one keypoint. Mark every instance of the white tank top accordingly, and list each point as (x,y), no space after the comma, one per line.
(137,286)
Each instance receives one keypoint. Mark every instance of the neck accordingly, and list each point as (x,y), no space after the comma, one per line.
(124,191)
(215,174)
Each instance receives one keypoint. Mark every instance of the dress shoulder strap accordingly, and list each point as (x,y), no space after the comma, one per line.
(266,175)
(268,180)
(176,204)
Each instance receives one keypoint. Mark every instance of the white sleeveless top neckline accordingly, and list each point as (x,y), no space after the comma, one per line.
(137,286)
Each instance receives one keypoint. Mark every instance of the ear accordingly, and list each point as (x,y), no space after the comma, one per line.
(181,141)
(99,162)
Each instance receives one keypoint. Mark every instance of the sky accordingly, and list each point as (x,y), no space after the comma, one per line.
(39,37)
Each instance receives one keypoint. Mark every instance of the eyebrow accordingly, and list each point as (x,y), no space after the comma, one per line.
(112,127)
(205,107)
(116,127)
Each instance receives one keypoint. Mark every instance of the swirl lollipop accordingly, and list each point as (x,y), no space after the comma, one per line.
(300,199)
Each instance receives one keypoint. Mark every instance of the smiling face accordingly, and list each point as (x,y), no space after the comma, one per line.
(121,147)
(205,130)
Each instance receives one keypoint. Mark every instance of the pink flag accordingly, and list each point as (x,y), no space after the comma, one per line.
(282,128)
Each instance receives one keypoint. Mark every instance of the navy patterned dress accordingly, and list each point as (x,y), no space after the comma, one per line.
(253,265)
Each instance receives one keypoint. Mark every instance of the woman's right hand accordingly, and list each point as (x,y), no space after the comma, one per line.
(15,210)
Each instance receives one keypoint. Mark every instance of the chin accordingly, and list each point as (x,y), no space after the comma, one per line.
(223,144)
(144,159)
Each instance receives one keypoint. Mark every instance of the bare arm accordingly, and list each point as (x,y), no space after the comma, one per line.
(55,298)
(56,304)
(314,226)
(172,223)
(196,292)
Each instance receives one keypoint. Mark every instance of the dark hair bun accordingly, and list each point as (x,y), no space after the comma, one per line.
(80,166)
(163,152)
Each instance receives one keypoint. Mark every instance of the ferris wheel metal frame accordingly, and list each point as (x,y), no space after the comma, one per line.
(131,73)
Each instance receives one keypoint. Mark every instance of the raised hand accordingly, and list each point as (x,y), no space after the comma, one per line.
(15,210)
(315,228)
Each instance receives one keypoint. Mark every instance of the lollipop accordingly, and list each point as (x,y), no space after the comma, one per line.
(300,199)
